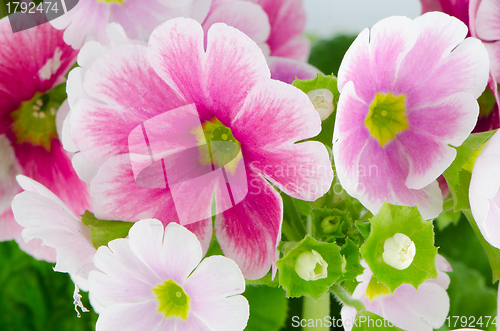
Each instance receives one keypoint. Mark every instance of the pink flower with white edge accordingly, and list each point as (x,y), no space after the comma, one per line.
(484,190)
(225,89)
(89,18)
(154,280)
(276,26)
(408,92)
(30,95)
(423,309)
(45,218)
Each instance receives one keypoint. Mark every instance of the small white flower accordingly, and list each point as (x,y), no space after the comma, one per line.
(322,100)
(310,265)
(399,251)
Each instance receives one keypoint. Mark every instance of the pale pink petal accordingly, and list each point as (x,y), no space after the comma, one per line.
(118,80)
(85,169)
(224,315)
(247,233)
(9,168)
(247,17)
(9,228)
(488,20)
(287,70)
(130,316)
(216,278)
(417,310)
(430,5)
(38,250)
(297,49)
(494,54)
(170,255)
(284,110)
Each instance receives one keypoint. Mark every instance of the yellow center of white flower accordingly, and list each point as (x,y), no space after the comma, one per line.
(172,299)
(322,100)
(376,289)
(386,117)
(310,265)
(399,251)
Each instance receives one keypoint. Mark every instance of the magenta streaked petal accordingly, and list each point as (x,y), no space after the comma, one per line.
(284,111)
(248,232)
(303,171)
(286,70)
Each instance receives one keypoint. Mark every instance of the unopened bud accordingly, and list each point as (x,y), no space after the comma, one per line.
(310,265)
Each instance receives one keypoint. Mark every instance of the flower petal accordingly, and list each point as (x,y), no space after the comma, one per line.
(132,316)
(248,232)
(287,70)
(488,20)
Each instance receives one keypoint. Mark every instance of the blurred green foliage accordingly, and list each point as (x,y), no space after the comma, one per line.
(326,55)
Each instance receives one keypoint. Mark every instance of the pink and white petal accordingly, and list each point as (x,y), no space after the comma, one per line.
(216,278)
(44,219)
(110,291)
(225,314)
(9,168)
(287,70)
(348,315)
(50,169)
(358,56)
(38,250)
(85,169)
(490,228)
(119,263)
(459,111)
(247,17)
(247,233)
(390,40)
(119,80)
(452,59)
(231,54)
(488,20)
(297,49)
(494,54)
(417,310)
(289,114)
(176,52)
(130,316)
(302,171)
(288,20)
(170,255)
(427,157)
(431,5)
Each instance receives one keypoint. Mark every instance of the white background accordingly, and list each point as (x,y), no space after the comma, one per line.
(328,17)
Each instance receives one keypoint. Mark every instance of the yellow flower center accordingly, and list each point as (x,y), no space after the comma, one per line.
(119,2)
(386,117)
(217,145)
(35,120)
(173,301)
(375,289)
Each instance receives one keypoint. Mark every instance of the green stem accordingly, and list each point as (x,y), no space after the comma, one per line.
(345,298)
(316,309)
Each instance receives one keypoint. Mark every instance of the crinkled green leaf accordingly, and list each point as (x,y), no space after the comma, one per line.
(103,231)
(351,267)
(364,228)
(322,82)
(268,308)
(327,223)
(458,174)
(393,219)
(366,320)
(296,286)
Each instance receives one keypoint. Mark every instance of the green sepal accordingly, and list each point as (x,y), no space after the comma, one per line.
(351,268)
(366,320)
(327,223)
(458,174)
(322,82)
(296,286)
(364,228)
(448,216)
(392,219)
(103,231)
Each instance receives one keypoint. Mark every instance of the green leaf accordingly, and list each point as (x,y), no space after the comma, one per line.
(366,320)
(293,284)
(492,252)
(268,308)
(322,82)
(458,174)
(393,219)
(327,223)
(364,228)
(102,231)
(448,215)
(351,268)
